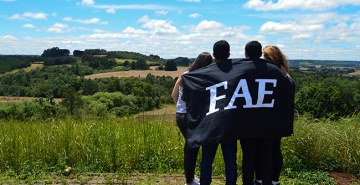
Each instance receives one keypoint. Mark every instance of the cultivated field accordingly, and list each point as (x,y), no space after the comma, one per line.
(356,73)
(139,73)
(21,99)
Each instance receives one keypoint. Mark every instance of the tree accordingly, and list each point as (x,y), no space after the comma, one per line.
(139,64)
(170,65)
(78,53)
(90,87)
(55,52)
(72,100)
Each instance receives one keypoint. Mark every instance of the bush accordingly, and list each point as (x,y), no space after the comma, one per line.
(170,65)
(59,61)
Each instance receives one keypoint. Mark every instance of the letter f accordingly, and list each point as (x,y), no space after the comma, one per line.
(214,98)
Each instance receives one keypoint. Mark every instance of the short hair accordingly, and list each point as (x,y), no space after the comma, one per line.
(221,50)
(253,49)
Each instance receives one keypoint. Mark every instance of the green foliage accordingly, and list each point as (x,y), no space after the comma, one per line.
(78,53)
(55,52)
(327,96)
(139,64)
(95,62)
(9,63)
(72,100)
(44,82)
(117,104)
(170,65)
(182,61)
(133,55)
(95,51)
(323,145)
(59,61)
(39,109)
(123,145)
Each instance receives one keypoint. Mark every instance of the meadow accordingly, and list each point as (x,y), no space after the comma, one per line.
(139,73)
(151,143)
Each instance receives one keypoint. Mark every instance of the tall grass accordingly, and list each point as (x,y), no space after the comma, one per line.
(324,144)
(124,145)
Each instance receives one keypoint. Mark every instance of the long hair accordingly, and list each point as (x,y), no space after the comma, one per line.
(274,55)
(202,60)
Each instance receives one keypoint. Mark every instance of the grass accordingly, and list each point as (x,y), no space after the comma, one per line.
(32,151)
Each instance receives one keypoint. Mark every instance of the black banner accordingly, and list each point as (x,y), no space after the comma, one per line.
(238,99)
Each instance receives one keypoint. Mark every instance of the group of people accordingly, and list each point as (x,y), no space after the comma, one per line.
(204,120)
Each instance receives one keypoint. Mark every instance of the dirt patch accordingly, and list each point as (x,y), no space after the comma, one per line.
(138,73)
(165,114)
(22,99)
(344,178)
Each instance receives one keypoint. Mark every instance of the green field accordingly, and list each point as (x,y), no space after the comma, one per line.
(33,150)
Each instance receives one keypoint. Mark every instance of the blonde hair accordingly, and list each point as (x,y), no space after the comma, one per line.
(274,55)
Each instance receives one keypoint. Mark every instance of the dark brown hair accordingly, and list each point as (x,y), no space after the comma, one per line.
(202,60)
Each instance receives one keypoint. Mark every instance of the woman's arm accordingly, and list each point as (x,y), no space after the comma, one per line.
(175,92)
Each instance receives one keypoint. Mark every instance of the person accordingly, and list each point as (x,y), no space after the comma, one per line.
(247,99)
(274,55)
(190,154)
(256,151)
(221,53)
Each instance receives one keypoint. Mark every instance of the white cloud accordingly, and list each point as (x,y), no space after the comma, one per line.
(7,0)
(29,15)
(58,28)
(134,7)
(193,1)
(266,5)
(288,28)
(88,2)
(162,12)
(99,31)
(8,38)
(111,11)
(206,25)
(85,21)
(194,15)
(158,27)
(131,30)
(28,26)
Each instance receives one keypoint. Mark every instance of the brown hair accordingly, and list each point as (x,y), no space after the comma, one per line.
(202,60)
(274,55)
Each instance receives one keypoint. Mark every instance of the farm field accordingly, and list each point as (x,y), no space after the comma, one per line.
(356,73)
(139,73)
(21,99)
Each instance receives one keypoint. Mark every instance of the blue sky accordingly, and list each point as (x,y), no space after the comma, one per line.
(306,29)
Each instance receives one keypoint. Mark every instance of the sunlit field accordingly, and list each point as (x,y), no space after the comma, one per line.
(151,143)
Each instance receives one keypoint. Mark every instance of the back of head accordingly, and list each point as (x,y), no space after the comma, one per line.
(274,55)
(253,49)
(221,50)
(202,60)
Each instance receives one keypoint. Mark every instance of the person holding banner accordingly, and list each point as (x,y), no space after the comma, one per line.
(190,154)
(247,99)
(274,55)
(256,151)
(221,52)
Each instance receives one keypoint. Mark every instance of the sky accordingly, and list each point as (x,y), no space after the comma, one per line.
(303,29)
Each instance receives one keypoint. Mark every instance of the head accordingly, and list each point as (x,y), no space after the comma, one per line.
(253,49)
(274,55)
(221,50)
(202,60)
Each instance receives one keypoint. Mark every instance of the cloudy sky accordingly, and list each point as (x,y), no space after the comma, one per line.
(304,29)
